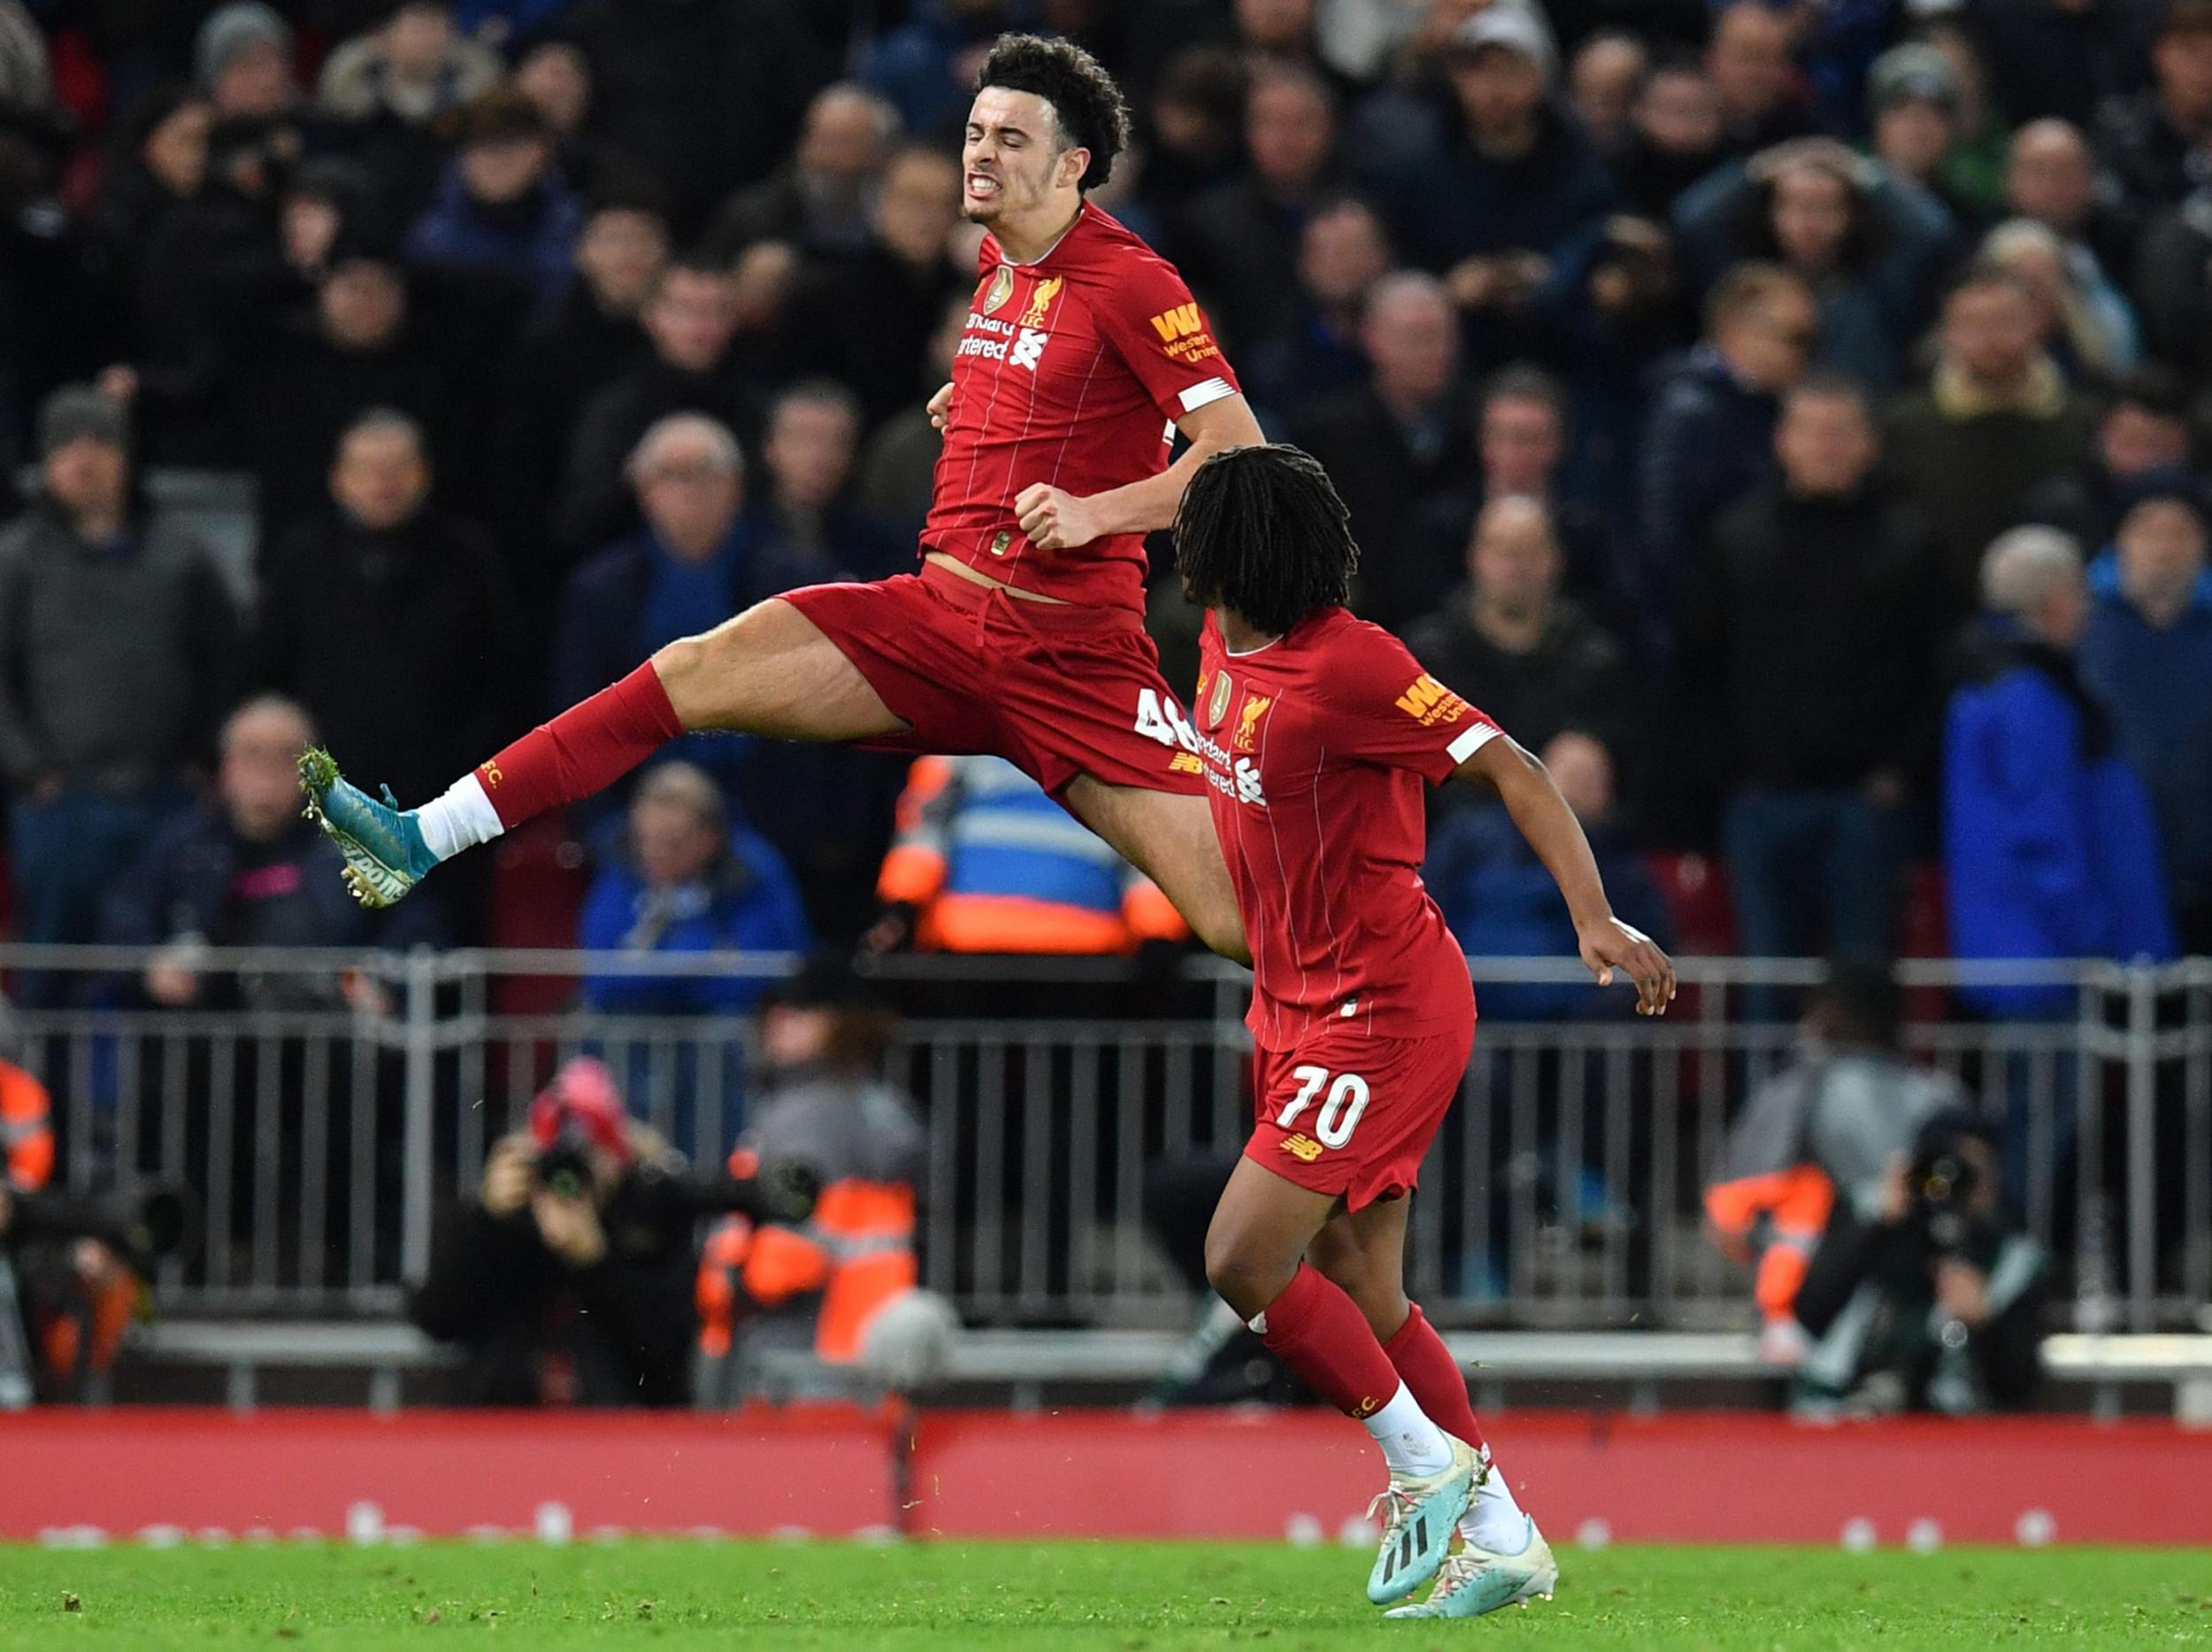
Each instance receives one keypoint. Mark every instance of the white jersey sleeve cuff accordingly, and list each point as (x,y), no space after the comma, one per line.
(1471,740)
(1210,390)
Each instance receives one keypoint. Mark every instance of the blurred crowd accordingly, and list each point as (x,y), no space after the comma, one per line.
(1786,419)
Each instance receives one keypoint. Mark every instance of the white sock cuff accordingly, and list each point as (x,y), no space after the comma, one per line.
(1411,1443)
(461,818)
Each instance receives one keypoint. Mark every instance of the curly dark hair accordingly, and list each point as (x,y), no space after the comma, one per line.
(1262,531)
(1089,107)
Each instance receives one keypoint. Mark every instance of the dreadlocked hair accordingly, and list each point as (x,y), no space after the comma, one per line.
(1262,531)
(1085,100)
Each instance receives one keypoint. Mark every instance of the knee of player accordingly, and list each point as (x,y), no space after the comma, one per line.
(674,662)
(1245,1273)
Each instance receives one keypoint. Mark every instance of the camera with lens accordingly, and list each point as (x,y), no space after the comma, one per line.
(1946,1181)
(564,1169)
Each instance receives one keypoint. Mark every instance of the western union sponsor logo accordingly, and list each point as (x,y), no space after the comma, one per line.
(1179,322)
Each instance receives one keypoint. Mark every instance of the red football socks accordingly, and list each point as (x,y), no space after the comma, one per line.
(1320,1334)
(1427,1367)
(584,749)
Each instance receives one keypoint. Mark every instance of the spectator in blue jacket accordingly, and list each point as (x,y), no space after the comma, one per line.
(686,879)
(501,208)
(2049,844)
(1711,437)
(1502,904)
(2147,651)
(2048,838)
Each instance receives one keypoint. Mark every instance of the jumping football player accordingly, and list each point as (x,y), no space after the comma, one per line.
(1021,634)
(1318,730)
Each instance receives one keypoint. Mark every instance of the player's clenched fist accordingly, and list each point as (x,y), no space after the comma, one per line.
(941,408)
(1053,520)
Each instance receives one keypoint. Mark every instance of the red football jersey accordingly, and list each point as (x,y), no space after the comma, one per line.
(1316,747)
(1072,371)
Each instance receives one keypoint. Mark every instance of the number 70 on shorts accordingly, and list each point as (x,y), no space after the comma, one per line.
(1345,1099)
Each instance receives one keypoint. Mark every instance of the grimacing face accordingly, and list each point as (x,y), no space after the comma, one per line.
(1011,161)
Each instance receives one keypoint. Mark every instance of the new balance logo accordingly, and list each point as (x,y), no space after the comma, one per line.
(1179,322)
(1305,1149)
(1029,349)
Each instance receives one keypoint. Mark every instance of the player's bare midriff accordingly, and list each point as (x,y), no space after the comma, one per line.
(955,566)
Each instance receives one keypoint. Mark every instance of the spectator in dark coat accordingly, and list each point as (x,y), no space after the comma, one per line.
(366,343)
(1710,438)
(1516,178)
(1996,418)
(590,337)
(691,322)
(2051,176)
(2152,144)
(867,321)
(1867,243)
(1500,901)
(599,1273)
(389,95)
(1520,446)
(1809,662)
(1604,76)
(1516,647)
(415,683)
(702,94)
(159,162)
(1748,59)
(2050,846)
(1342,252)
(2173,286)
(1675,138)
(1399,436)
(502,209)
(247,869)
(822,200)
(804,520)
(193,251)
(2147,654)
(1239,242)
(116,656)
(2143,430)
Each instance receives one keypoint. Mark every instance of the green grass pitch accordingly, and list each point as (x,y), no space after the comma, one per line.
(1129,1597)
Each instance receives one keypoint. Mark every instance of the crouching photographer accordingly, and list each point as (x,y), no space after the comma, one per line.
(569,1276)
(1930,1300)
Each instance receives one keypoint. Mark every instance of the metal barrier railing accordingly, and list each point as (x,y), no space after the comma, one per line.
(322,1104)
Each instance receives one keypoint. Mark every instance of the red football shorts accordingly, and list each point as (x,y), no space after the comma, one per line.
(1057,689)
(1351,1114)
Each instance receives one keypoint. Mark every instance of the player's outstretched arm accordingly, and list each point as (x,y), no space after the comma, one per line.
(1553,832)
(1055,520)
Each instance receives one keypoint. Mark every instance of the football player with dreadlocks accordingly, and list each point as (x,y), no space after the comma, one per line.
(1318,730)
